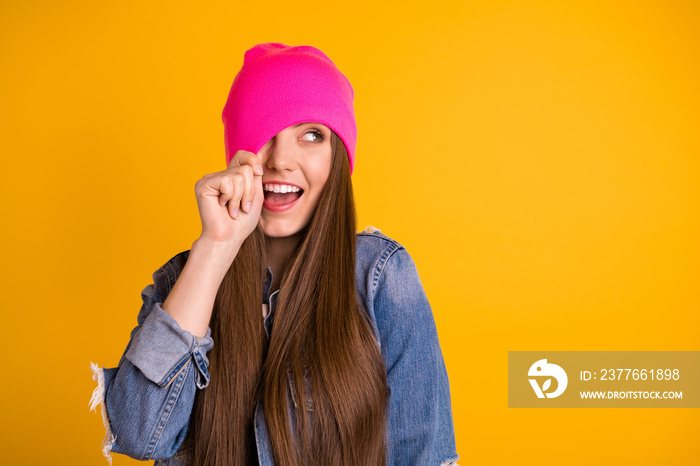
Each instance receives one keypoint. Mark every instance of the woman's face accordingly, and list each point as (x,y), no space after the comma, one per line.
(296,164)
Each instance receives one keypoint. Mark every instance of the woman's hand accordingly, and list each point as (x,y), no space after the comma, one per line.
(230,201)
(229,204)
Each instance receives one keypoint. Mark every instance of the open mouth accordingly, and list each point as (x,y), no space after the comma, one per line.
(281,196)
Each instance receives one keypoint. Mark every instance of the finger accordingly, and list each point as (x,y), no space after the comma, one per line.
(233,211)
(226,189)
(244,157)
(249,189)
(259,194)
(234,204)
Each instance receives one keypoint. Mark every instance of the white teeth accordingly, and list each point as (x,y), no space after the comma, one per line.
(281,188)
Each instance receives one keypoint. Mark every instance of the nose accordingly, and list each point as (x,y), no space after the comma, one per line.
(279,154)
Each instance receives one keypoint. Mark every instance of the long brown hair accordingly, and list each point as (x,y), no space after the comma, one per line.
(322,365)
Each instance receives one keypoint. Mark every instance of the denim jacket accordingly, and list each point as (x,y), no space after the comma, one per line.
(149,396)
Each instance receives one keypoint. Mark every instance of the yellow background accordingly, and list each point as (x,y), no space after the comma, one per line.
(538,160)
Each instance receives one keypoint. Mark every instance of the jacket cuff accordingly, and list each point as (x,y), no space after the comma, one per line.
(161,349)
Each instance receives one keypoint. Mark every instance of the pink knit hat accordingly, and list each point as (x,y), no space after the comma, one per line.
(279,86)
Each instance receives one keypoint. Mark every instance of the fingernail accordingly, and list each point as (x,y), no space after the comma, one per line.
(248,206)
(259,169)
(236,212)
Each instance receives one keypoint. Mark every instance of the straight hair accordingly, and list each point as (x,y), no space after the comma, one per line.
(321,369)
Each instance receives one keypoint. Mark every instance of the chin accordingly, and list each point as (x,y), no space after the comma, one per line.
(278,230)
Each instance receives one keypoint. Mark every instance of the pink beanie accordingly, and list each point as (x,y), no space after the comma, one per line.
(279,86)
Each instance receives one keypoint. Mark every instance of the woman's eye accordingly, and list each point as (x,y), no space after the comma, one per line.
(313,136)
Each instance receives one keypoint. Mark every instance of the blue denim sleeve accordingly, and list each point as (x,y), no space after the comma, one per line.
(420,426)
(149,396)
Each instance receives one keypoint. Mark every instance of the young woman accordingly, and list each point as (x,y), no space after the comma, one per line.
(283,336)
